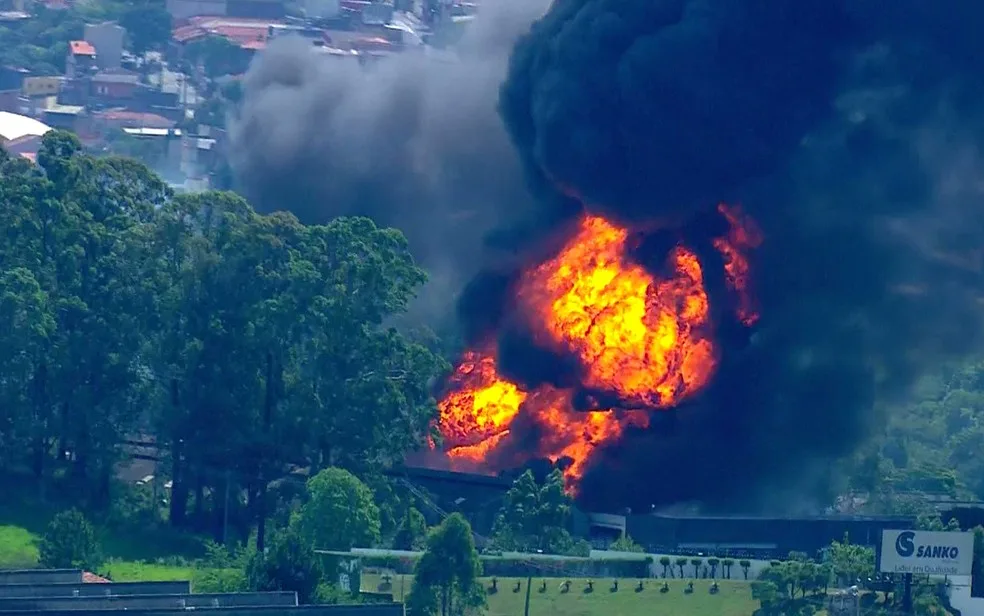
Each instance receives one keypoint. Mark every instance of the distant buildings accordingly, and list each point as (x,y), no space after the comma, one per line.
(81,59)
(257,9)
(107,40)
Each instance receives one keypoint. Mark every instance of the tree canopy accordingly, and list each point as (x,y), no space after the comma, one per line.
(340,514)
(241,345)
(446,576)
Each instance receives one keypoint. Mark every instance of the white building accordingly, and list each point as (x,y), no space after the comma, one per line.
(14,126)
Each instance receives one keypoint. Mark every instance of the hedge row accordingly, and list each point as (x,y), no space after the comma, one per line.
(516,567)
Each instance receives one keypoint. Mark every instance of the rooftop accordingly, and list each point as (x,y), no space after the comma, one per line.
(116,75)
(13,126)
(82,48)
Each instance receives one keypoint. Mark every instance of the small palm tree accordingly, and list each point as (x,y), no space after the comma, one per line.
(696,562)
(665,561)
(727,564)
(744,564)
(680,562)
(712,562)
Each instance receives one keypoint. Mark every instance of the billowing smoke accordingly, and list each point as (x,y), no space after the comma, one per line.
(414,142)
(851,132)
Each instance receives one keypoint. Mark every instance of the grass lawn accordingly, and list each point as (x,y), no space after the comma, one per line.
(128,571)
(733,598)
(23,518)
(17,548)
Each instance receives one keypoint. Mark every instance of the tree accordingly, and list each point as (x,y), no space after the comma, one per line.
(69,542)
(681,563)
(340,514)
(412,532)
(696,562)
(767,594)
(626,544)
(534,517)
(727,564)
(148,26)
(665,562)
(289,565)
(446,576)
(851,563)
(218,56)
(745,565)
(713,564)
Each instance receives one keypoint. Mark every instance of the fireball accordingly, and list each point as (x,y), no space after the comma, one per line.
(645,341)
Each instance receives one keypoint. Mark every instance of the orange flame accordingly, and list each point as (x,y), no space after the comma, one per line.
(636,336)
(744,235)
(644,340)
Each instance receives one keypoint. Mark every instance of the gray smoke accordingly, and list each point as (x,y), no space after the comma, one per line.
(413,142)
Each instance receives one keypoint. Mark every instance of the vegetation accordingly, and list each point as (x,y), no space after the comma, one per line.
(69,542)
(252,355)
(548,597)
(446,577)
(535,517)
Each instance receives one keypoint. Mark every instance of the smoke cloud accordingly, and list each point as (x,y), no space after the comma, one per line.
(413,142)
(851,131)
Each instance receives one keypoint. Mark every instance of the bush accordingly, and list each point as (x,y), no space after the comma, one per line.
(520,567)
(219,580)
(70,542)
(290,565)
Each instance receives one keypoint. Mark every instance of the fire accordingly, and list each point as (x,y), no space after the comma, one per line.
(481,405)
(744,235)
(638,337)
(643,340)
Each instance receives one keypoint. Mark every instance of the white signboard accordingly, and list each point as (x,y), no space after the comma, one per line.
(926,552)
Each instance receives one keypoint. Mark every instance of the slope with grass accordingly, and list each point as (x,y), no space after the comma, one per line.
(732,599)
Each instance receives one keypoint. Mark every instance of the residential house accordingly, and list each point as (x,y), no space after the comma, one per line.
(113,85)
(81,59)
(66,117)
(257,9)
(113,119)
(107,39)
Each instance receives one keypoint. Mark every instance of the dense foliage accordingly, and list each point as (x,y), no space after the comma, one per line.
(243,345)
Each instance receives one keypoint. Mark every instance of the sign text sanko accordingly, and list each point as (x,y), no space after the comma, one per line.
(926,552)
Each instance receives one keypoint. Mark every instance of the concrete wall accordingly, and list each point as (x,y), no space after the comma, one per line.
(380,609)
(280,599)
(107,38)
(41,576)
(94,590)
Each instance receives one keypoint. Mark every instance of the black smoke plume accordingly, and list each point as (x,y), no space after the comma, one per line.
(413,142)
(850,130)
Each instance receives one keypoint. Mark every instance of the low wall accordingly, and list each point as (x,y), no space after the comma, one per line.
(40,576)
(140,602)
(9,591)
(375,609)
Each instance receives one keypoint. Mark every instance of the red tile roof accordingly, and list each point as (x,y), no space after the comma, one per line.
(92,578)
(82,48)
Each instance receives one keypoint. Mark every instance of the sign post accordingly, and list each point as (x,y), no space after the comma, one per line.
(922,552)
(926,552)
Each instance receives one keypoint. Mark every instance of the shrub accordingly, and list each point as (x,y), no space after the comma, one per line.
(219,580)
(70,542)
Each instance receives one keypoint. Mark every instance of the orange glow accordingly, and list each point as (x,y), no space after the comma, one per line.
(481,405)
(638,337)
(744,235)
(641,339)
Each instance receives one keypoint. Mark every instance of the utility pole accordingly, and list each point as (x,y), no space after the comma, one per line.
(529,584)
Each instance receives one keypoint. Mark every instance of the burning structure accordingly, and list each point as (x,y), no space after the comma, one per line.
(662,347)
(634,342)
(665,348)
